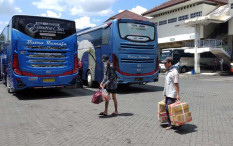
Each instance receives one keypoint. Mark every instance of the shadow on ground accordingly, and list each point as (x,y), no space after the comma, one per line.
(119,115)
(184,129)
(41,94)
(128,89)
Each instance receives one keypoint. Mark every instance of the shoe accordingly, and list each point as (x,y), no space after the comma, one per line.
(114,115)
(103,114)
(168,128)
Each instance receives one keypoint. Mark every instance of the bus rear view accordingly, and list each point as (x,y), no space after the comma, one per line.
(41,53)
(135,53)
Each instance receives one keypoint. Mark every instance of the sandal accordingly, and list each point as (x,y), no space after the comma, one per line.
(102,114)
(114,115)
(168,128)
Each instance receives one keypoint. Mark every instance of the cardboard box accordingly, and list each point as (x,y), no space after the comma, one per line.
(161,106)
(181,119)
(177,107)
(162,117)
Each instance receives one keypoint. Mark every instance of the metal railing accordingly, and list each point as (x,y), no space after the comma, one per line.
(212,43)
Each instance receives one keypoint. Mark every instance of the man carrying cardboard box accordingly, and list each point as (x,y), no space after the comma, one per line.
(171,87)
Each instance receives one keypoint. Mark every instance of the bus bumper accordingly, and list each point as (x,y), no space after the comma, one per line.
(23,82)
(122,79)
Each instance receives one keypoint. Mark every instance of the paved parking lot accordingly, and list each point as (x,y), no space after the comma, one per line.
(68,118)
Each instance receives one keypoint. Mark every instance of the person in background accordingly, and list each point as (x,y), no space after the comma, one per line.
(110,82)
(221,64)
(80,73)
(215,65)
(171,87)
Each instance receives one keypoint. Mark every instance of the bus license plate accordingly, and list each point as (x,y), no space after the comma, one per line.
(138,79)
(49,80)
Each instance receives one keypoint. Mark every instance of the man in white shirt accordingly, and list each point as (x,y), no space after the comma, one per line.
(171,87)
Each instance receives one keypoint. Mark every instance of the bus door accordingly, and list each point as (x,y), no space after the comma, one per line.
(99,64)
(176,56)
(104,50)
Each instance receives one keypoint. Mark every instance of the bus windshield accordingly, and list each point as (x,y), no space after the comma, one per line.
(44,28)
(137,32)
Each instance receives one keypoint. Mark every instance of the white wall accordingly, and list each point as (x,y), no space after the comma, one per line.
(170,33)
(230,22)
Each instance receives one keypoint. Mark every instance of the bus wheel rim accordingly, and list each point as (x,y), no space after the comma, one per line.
(89,78)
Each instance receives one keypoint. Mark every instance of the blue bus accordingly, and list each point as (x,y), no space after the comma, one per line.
(38,52)
(131,46)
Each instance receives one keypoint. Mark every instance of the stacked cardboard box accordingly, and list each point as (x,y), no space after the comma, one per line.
(162,115)
(179,113)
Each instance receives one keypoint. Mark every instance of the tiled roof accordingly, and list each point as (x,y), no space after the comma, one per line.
(171,3)
(128,14)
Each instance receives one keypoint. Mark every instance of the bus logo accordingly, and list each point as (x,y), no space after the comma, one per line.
(139,70)
(48,72)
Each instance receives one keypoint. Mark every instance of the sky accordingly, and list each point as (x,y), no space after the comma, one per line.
(86,13)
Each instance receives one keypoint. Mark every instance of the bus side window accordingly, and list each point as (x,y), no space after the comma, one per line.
(106,36)
(94,37)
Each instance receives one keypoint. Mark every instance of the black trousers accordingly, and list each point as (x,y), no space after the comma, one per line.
(168,101)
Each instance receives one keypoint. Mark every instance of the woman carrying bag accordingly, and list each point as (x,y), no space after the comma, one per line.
(110,83)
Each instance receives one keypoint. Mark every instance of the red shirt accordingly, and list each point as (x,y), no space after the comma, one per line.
(80,65)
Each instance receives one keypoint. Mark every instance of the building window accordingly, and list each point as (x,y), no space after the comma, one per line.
(197,14)
(183,17)
(231,6)
(172,20)
(163,22)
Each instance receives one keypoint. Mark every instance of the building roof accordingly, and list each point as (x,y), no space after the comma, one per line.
(128,14)
(171,3)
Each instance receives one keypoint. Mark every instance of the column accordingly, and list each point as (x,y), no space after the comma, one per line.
(196,55)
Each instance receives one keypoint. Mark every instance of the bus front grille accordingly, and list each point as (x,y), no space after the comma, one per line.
(134,46)
(47,65)
(48,59)
(46,48)
(137,60)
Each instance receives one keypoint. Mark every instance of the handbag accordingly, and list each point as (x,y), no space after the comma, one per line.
(97,97)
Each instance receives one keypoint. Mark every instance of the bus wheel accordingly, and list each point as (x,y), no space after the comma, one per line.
(90,82)
(183,69)
(9,89)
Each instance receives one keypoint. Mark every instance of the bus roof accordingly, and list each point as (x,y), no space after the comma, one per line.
(106,24)
(86,30)
(41,17)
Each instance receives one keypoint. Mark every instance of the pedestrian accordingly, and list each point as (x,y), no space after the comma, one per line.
(171,87)
(80,73)
(215,65)
(110,83)
(221,64)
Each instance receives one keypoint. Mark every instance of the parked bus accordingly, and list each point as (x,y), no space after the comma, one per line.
(184,61)
(131,46)
(38,52)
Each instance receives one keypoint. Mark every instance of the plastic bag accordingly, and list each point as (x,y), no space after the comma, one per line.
(105,95)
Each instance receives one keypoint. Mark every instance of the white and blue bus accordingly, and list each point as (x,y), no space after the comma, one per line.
(131,46)
(184,61)
(38,52)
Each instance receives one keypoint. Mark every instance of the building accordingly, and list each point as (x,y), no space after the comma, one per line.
(203,24)
(128,14)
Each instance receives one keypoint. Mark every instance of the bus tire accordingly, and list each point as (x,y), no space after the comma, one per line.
(183,69)
(9,89)
(90,82)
